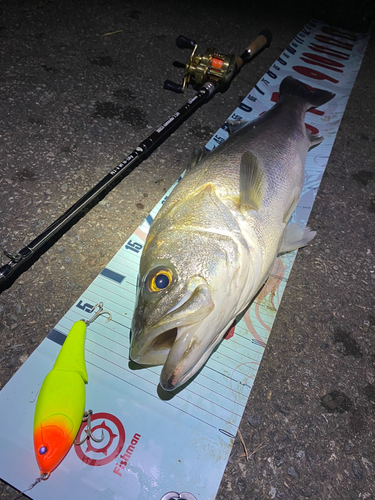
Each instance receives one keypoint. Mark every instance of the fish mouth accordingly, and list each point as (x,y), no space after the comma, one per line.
(164,341)
(174,375)
(174,341)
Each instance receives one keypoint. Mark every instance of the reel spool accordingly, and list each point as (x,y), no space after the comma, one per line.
(211,66)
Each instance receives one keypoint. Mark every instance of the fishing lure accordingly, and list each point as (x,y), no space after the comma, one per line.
(60,408)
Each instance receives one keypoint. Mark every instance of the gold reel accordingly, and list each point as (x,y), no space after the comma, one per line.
(212,65)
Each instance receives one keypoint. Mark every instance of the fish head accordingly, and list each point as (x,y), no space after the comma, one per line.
(186,299)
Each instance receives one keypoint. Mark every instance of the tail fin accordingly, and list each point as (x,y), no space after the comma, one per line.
(292,86)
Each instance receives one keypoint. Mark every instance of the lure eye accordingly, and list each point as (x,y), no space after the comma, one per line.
(160,280)
(42,450)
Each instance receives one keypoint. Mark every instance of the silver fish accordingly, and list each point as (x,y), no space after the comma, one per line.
(212,245)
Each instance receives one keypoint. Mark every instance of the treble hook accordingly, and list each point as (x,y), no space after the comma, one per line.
(87,414)
(98,313)
(88,431)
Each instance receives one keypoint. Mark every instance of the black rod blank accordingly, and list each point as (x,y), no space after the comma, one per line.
(29,254)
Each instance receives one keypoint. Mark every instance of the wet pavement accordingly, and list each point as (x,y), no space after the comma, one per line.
(81,86)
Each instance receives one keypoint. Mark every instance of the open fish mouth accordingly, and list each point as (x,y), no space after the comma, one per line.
(170,348)
(172,341)
(164,341)
(179,352)
(153,350)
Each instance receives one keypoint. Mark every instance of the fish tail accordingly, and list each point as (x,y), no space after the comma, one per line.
(292,86)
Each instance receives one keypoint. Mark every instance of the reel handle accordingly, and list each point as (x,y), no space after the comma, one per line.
(174,87)
(185,43)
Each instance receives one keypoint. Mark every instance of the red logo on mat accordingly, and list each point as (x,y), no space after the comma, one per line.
(97,454)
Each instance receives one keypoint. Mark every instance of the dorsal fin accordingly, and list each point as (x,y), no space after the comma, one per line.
(197,156)
(294,87)
(235,125)
(251,182)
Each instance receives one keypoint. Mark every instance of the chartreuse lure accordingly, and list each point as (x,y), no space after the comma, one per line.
(60,408)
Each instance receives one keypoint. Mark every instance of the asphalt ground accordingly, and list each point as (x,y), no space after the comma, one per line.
(74,103)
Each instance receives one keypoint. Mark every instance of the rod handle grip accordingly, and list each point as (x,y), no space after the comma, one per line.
(262,41)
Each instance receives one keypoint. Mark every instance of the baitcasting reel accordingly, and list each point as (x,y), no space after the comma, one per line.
(212,65)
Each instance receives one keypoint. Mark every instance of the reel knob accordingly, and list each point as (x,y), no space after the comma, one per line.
(174,87)
(185,43)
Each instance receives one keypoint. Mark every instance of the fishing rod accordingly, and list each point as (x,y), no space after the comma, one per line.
(208,74)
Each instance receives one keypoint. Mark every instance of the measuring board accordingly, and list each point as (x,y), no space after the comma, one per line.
(157,442)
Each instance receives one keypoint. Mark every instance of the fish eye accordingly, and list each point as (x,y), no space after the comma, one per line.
(160,280)
(42,450)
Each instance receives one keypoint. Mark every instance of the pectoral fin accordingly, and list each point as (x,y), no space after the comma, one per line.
(296,237)
(251,182)
(294,202)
